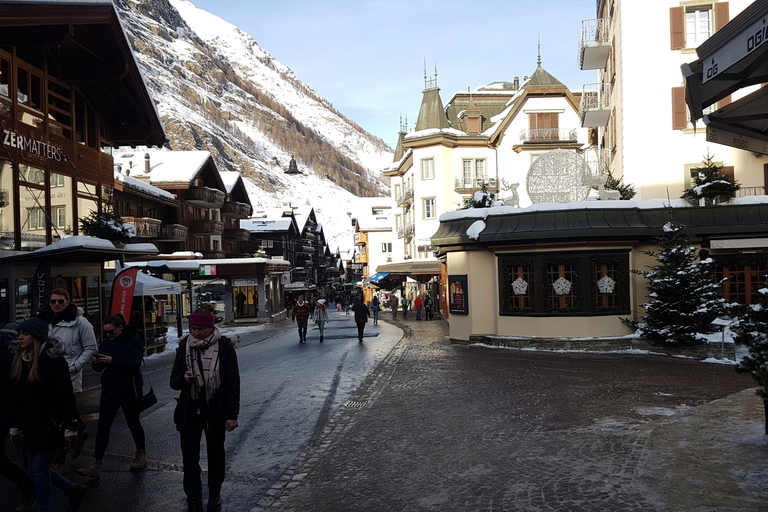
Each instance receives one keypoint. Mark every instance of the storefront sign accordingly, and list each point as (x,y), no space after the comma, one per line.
(736,140)
(245,282)
(207,270)
(35,147)
(740,46)
(458,294)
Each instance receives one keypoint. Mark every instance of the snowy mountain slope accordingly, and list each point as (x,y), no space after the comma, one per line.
(216,89)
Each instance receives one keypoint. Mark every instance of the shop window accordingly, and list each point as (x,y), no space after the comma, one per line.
(31,174)
(34,225)
(564,283)
(7,213)
(30,89)
(35,219)
(59,216)
(23,299)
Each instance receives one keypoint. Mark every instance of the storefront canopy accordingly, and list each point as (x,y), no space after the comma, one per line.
(148,285)
(378,276)
(735,57)
(82,249)
(410,268)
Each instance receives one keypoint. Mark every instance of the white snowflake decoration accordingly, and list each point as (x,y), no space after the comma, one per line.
(519,286)
(562,286)
(606,285)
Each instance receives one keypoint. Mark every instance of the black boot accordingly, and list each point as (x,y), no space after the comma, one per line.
(195,503)
(214,503)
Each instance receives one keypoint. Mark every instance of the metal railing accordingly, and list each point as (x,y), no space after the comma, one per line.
(406,230)
(404,196)
(593,33)
(750,191)
(549,135)
(146,227)
(596,96)
(598,160)
(476,184)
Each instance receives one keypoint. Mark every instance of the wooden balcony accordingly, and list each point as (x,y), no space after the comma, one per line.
(361,238)
(206,227)
(242,235)
(173,233)
(236,210)
(145,227)
(205,197)
(361,258)
(211,255)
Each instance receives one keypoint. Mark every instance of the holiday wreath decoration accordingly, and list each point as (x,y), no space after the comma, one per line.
(562,286)
(606,285)
(520,286)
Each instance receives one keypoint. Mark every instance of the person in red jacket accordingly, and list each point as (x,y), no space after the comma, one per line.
(300,315)
(418,304)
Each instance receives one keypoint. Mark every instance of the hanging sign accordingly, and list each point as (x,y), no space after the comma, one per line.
(207,270)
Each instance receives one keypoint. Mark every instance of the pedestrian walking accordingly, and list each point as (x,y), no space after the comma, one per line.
(240,300)
(361,313)
(404,304)
(312,305)
(393,302)
(321,317)
(428,305)
(375,308)
(300,315)
(205,372)
(418,304)
(119,358)
(8,338)
(76,334)
(43,414)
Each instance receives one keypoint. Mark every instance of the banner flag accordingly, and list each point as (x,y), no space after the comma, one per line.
(122,292)
(41,286)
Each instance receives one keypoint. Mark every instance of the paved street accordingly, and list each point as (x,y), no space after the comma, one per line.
(410,422)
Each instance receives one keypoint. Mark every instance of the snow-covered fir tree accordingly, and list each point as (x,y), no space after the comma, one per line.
(711,185)
(753,332)
(683,294)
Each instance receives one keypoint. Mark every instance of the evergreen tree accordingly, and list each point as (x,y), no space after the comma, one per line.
(753,332)
(627,191)
(108,226)
(711,185)
(683,295)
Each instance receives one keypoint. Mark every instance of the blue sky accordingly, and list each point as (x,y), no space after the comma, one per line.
(367,57)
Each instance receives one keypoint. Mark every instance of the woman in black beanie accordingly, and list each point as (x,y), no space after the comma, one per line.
(42,409)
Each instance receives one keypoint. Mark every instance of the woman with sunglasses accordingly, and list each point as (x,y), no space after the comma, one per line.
(42,410)
(120,356)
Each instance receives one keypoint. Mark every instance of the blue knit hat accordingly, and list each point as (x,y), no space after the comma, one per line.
(36,327)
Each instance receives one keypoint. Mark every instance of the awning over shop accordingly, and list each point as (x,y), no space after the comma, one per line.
(378,276)
(735,57)
(148,285)
(410,268)
(82,249)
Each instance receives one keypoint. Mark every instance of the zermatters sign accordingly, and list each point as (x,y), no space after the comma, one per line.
(36,147)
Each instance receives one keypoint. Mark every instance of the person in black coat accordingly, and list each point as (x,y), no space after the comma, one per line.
(205,372)
(42,410)
(8,469)
(120,356)
(361,317)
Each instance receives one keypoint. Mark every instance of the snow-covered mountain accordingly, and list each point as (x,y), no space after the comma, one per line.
(216,89)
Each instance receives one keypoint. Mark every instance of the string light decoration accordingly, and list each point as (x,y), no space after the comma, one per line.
(559,176)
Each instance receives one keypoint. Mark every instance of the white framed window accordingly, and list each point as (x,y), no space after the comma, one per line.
(698,25)
(268,244)
(59,216)
(398,221)
(386,247)
(428,169)
(35,218)
(429,207)
(57,180)
(473,171)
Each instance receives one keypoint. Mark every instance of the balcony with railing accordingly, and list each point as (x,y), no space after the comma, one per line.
(361,238)
(242,235)
(206,227)
(596,104)
(549,135)
(468,185)
(145,226)
(361,258)
(751,191)
(205,197)
(406,230)
(213,255)
(405,197)
(173,233)
(595,43)
(598,160)
(236,210)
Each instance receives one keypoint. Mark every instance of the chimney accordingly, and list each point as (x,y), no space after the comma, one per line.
(146,163)
(517,83)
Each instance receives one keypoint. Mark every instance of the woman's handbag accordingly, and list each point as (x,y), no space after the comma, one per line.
(148,399)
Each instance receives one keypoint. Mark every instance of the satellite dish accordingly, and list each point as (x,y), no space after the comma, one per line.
(559,176)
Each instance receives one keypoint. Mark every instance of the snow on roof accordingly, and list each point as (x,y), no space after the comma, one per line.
(89,242)
(265,225)
(230,179)
(132,182)
(165,166)
(434,131)
(188,265)
(484,213)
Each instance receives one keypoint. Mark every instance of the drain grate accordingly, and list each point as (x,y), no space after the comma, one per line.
(354,403)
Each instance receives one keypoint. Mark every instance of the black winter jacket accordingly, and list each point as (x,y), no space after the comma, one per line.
(44,408)
(123,374)
(225,403)
(6,359)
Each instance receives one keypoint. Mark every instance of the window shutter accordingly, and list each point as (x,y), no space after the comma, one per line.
(679,111)
(727,171)
(722,15)
(677,28)
(723,102)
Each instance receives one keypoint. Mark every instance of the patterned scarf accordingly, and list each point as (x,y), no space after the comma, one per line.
(207,352)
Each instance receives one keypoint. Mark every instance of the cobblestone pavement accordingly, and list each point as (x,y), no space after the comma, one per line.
(446,427)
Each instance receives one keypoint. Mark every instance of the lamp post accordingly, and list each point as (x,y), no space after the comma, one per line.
(723,322)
